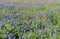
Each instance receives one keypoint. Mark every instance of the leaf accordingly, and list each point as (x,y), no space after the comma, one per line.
(6,25)
(32,35)
(25,36)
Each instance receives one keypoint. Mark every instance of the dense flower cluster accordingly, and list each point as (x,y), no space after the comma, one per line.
(31,23)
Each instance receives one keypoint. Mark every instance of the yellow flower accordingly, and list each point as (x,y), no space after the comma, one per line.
(36,18)
(43,18)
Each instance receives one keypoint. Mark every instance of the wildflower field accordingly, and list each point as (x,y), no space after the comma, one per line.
(32,22)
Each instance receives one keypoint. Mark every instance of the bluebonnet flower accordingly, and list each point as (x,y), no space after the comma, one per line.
(9,37)
(0,21)
(39,14)
(6,17)
(0,25)
(48,22)
(30,22)
(25,28)
(24,31)
(20,37)
(12,6)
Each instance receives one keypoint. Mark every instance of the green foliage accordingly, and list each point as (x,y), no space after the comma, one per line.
(25,36)
(53,15)
(33,26)
(32,35)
